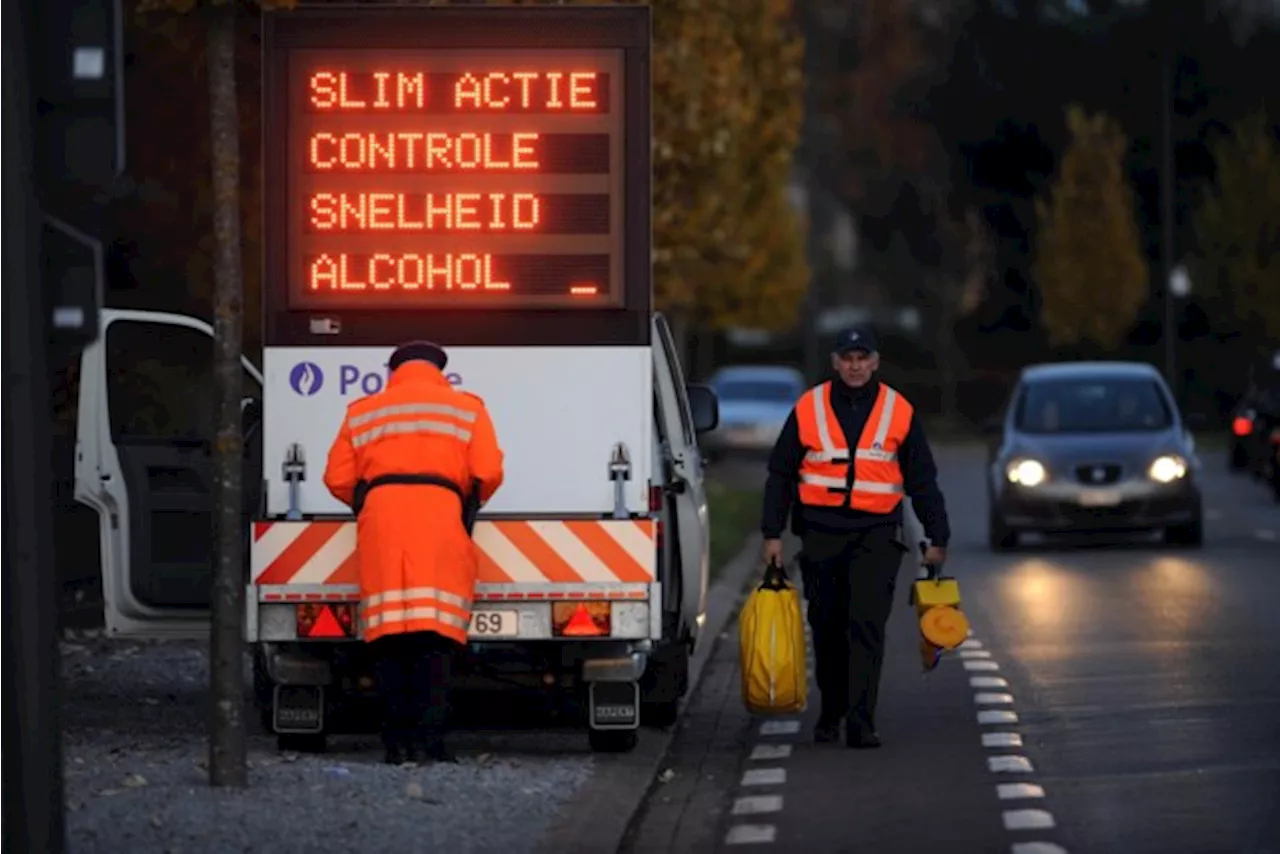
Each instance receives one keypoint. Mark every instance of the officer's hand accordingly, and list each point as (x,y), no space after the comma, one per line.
(935,556)
(772,552)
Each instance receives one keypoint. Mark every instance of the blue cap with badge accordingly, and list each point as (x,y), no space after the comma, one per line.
(856,338)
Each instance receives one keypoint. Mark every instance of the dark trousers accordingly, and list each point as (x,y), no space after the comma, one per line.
(413,672)
(849,584)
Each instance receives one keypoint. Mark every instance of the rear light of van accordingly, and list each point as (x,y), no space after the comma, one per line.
(1242,426)
(581,619)
(655,499)
(317,620)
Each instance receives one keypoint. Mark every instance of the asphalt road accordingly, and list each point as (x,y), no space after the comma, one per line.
(1116,695)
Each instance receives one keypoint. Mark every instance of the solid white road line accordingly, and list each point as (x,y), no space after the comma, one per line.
(984,699)
(997,716)
(756,804)
(1027,820)
(987,682)
(770,751)
(765,777)
(1001,739)
(1009,765)
(780,727)
(751,834)
(1018,791)
(971,643)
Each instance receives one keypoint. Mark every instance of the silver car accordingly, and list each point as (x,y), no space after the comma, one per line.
(1093,446)
(755,401)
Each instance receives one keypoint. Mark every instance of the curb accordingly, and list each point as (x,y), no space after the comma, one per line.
(600,818)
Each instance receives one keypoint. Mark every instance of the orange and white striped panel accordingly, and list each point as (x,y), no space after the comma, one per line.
(578,551)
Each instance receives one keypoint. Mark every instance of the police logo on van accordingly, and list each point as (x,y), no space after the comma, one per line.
(306,378)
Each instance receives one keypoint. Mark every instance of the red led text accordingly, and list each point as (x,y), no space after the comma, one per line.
(397,151)
(385,271)
(495,212)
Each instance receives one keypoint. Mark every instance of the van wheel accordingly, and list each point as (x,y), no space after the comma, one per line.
(294,742)
(612,740)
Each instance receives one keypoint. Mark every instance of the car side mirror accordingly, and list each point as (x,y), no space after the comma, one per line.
(704,404)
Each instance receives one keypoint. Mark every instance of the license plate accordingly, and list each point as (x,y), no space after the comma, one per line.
(299,708)
(494,624)
(1099,498)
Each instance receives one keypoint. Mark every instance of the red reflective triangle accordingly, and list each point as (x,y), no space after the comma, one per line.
(326,625)
(581,623)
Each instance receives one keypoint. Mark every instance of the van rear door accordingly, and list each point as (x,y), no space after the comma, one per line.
(687,476)
(143,440)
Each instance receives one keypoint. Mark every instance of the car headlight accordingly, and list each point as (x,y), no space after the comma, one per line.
(1026,472)
(1167,468)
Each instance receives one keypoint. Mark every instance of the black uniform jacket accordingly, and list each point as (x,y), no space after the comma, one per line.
(852,407)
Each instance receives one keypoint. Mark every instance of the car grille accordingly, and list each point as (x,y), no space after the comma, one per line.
(1098,473)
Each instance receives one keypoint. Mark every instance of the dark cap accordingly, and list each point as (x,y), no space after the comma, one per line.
(856,338)
(423,351)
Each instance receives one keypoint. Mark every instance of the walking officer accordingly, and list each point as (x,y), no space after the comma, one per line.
(415,462)
(849,451)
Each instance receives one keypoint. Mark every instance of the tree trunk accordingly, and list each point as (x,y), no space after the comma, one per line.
(227,766)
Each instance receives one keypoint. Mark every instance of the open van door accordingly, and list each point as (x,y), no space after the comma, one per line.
(143,440)
(687,483)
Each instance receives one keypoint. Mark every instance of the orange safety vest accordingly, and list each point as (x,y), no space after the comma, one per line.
(824,471)
(418,565)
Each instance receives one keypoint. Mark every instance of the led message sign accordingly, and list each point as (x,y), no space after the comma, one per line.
(462,177)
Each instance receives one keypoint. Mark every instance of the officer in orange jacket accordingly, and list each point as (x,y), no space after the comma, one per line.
(415,461)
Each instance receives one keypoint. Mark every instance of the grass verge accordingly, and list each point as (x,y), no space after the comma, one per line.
(735,513)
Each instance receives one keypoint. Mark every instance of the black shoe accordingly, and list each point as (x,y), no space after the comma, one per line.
(397,754)
(827,730)
(863,740)
(437,752)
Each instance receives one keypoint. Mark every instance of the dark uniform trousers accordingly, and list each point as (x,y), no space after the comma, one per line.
(849,582)
(413,672)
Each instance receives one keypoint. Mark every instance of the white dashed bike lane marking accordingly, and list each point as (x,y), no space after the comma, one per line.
(995,709)
(766,772)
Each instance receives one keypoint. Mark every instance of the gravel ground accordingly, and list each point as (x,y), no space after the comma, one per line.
(134,722)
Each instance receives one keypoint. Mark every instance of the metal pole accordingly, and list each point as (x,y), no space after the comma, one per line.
(1167,183)
(33,798)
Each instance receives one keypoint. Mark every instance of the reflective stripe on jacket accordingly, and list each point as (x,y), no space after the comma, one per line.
(824,471)
(417,564)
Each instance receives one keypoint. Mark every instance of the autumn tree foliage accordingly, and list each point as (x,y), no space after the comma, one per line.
(1238,230)
(1089,266)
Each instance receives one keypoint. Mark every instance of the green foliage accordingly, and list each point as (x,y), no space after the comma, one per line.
(733,514)
(1238,230)
(1089,265)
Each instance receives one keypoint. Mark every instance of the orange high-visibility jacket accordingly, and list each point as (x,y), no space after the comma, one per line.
(417,563)
(824,471)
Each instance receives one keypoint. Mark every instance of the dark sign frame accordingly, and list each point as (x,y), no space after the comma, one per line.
(482,28)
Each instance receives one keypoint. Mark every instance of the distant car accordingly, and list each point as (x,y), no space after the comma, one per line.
(1093,446)
(755,401)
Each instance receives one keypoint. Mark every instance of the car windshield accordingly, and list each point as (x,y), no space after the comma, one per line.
(770,391)
(1093,405)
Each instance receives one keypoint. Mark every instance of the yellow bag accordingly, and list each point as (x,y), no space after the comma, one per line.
(772,648)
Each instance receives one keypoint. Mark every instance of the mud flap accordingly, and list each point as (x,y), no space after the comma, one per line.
(298,709)
(614,705)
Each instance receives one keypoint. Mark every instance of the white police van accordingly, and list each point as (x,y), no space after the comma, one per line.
(142,462)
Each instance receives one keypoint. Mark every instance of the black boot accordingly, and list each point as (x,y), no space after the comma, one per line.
(435,750)
(827,730)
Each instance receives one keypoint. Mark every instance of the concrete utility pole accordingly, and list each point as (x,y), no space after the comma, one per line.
(34,822)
